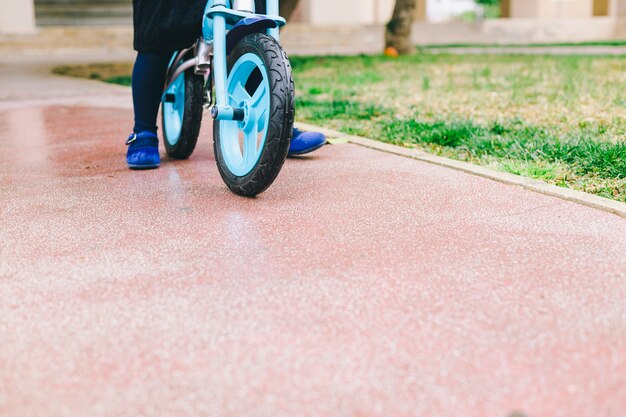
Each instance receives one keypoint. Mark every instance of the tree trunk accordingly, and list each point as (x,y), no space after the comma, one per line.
(287,7)
(398,34)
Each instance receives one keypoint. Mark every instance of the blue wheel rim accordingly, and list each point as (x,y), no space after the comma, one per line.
(173,113)
(242,143)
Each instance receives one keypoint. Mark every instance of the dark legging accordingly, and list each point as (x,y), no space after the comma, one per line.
(149,75)
(259,5)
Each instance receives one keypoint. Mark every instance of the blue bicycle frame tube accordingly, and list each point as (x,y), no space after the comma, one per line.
(222,111)
(220,72)
(273,10)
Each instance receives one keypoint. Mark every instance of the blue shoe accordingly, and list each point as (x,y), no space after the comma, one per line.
(143,151)
(305,142)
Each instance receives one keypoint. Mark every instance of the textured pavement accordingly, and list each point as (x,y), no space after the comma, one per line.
(360,284)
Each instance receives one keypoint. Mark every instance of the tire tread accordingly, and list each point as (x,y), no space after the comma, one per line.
(282,111)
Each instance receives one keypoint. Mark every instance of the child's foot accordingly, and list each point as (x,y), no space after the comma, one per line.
(143,151)
(305,142)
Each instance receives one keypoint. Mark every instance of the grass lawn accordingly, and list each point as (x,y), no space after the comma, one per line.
(554,118)
(616,42)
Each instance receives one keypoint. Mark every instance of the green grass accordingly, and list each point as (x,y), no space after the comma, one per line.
(616,42)
(560,119)
(114,73)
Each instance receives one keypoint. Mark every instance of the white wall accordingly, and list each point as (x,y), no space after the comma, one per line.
(17,17)
(368,12)
(565,9)
(442,10)
(518,31)
(383,10)
(346,12)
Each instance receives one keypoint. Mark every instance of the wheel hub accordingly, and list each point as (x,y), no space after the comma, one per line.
(248,116)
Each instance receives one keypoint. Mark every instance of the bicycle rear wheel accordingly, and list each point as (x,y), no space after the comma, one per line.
(181,113)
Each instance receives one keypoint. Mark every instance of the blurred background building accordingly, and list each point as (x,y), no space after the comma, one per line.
(351,26)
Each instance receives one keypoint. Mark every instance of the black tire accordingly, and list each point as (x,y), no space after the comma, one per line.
(282,109)
(192,117)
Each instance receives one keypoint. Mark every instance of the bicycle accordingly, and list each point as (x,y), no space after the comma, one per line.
(239,57)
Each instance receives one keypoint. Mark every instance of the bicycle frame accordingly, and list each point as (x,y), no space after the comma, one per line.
(218,19)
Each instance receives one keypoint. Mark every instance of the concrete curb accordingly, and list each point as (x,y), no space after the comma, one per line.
(575,196)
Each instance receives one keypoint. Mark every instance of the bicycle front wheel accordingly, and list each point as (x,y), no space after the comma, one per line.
(251,153)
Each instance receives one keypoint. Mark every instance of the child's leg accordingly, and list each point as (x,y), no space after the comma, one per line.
(259,6)
(301,142)
(148,81)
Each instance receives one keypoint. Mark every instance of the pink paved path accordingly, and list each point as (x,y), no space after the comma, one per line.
(361,284)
